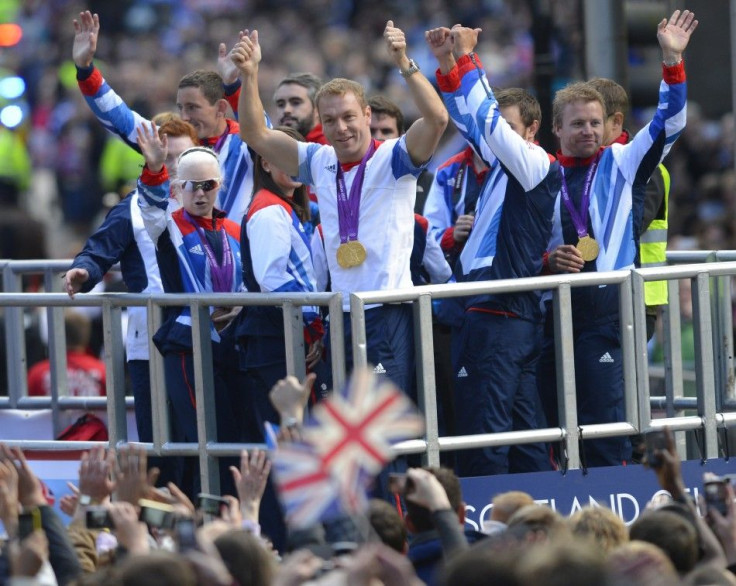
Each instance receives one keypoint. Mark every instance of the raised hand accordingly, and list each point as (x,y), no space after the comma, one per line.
(289,396)
(175,497)
(132,534)
(132,478)
(250,481)
(464,39)
(27,558)
(153,147)
(440,42)
(246,54)
(68,503)
(674,35)
(95,474)
(225,67)
(297,568)
(9,505)
(725,526)
(428,491)
(73,281)
(669,472)
(30,491)
(396,44)
(86,32)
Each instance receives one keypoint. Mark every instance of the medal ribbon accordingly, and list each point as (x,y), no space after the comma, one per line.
(579,218)
(221,274)
(348,207)
(220,141)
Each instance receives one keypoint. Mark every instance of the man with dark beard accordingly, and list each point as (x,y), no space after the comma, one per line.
(294,99)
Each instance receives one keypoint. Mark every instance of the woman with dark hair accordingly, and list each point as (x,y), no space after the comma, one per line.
(276,257)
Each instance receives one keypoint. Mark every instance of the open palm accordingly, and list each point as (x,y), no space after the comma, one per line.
(674,35)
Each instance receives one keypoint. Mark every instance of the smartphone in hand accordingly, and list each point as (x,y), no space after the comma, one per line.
(211,504)
(98,518)
(716,495)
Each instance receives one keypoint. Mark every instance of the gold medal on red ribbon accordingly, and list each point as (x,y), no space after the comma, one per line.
(350,254)
(588,248)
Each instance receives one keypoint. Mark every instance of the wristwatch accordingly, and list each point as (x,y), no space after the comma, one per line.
(85,500)
(411,70)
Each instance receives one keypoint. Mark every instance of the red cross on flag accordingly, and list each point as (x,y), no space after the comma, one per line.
(347,441)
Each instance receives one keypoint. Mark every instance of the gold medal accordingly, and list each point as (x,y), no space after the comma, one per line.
(588,248)
(350,254)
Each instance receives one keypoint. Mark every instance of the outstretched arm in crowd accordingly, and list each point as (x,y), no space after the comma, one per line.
(424,135)
(289,397)
(250,481)
(272,145)
(230,73)
(153,184)
(724,527)
(669,475)
(429,493)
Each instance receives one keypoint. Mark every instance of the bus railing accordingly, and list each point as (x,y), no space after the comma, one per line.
(710,281)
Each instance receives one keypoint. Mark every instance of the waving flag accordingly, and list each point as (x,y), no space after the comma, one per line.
(357,427)
(347,442)
(307,491)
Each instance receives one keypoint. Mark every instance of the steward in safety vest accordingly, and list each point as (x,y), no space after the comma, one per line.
(653,241)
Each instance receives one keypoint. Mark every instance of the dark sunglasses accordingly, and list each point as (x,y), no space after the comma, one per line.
(206,185)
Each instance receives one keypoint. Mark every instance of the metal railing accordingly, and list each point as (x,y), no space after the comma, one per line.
(714,399)
(714,359)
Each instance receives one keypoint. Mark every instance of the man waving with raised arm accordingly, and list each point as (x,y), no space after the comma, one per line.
(366,190)
(599,202)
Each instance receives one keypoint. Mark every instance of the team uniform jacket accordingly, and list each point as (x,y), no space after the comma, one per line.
(428,264)
(447,200)
(183,262)
(277,258)
(513,217)
(236,159)
(618,197)
(123,238)
(386,214)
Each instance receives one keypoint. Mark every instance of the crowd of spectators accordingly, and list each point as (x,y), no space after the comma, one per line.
(124,531)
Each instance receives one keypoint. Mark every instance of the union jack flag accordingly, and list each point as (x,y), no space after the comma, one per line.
(347,442)
(307,491)
(353,430)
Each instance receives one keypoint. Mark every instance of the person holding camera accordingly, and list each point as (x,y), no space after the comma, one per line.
(677,526)
(435,515)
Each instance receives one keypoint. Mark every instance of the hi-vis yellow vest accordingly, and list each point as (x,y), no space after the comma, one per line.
(653,247)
